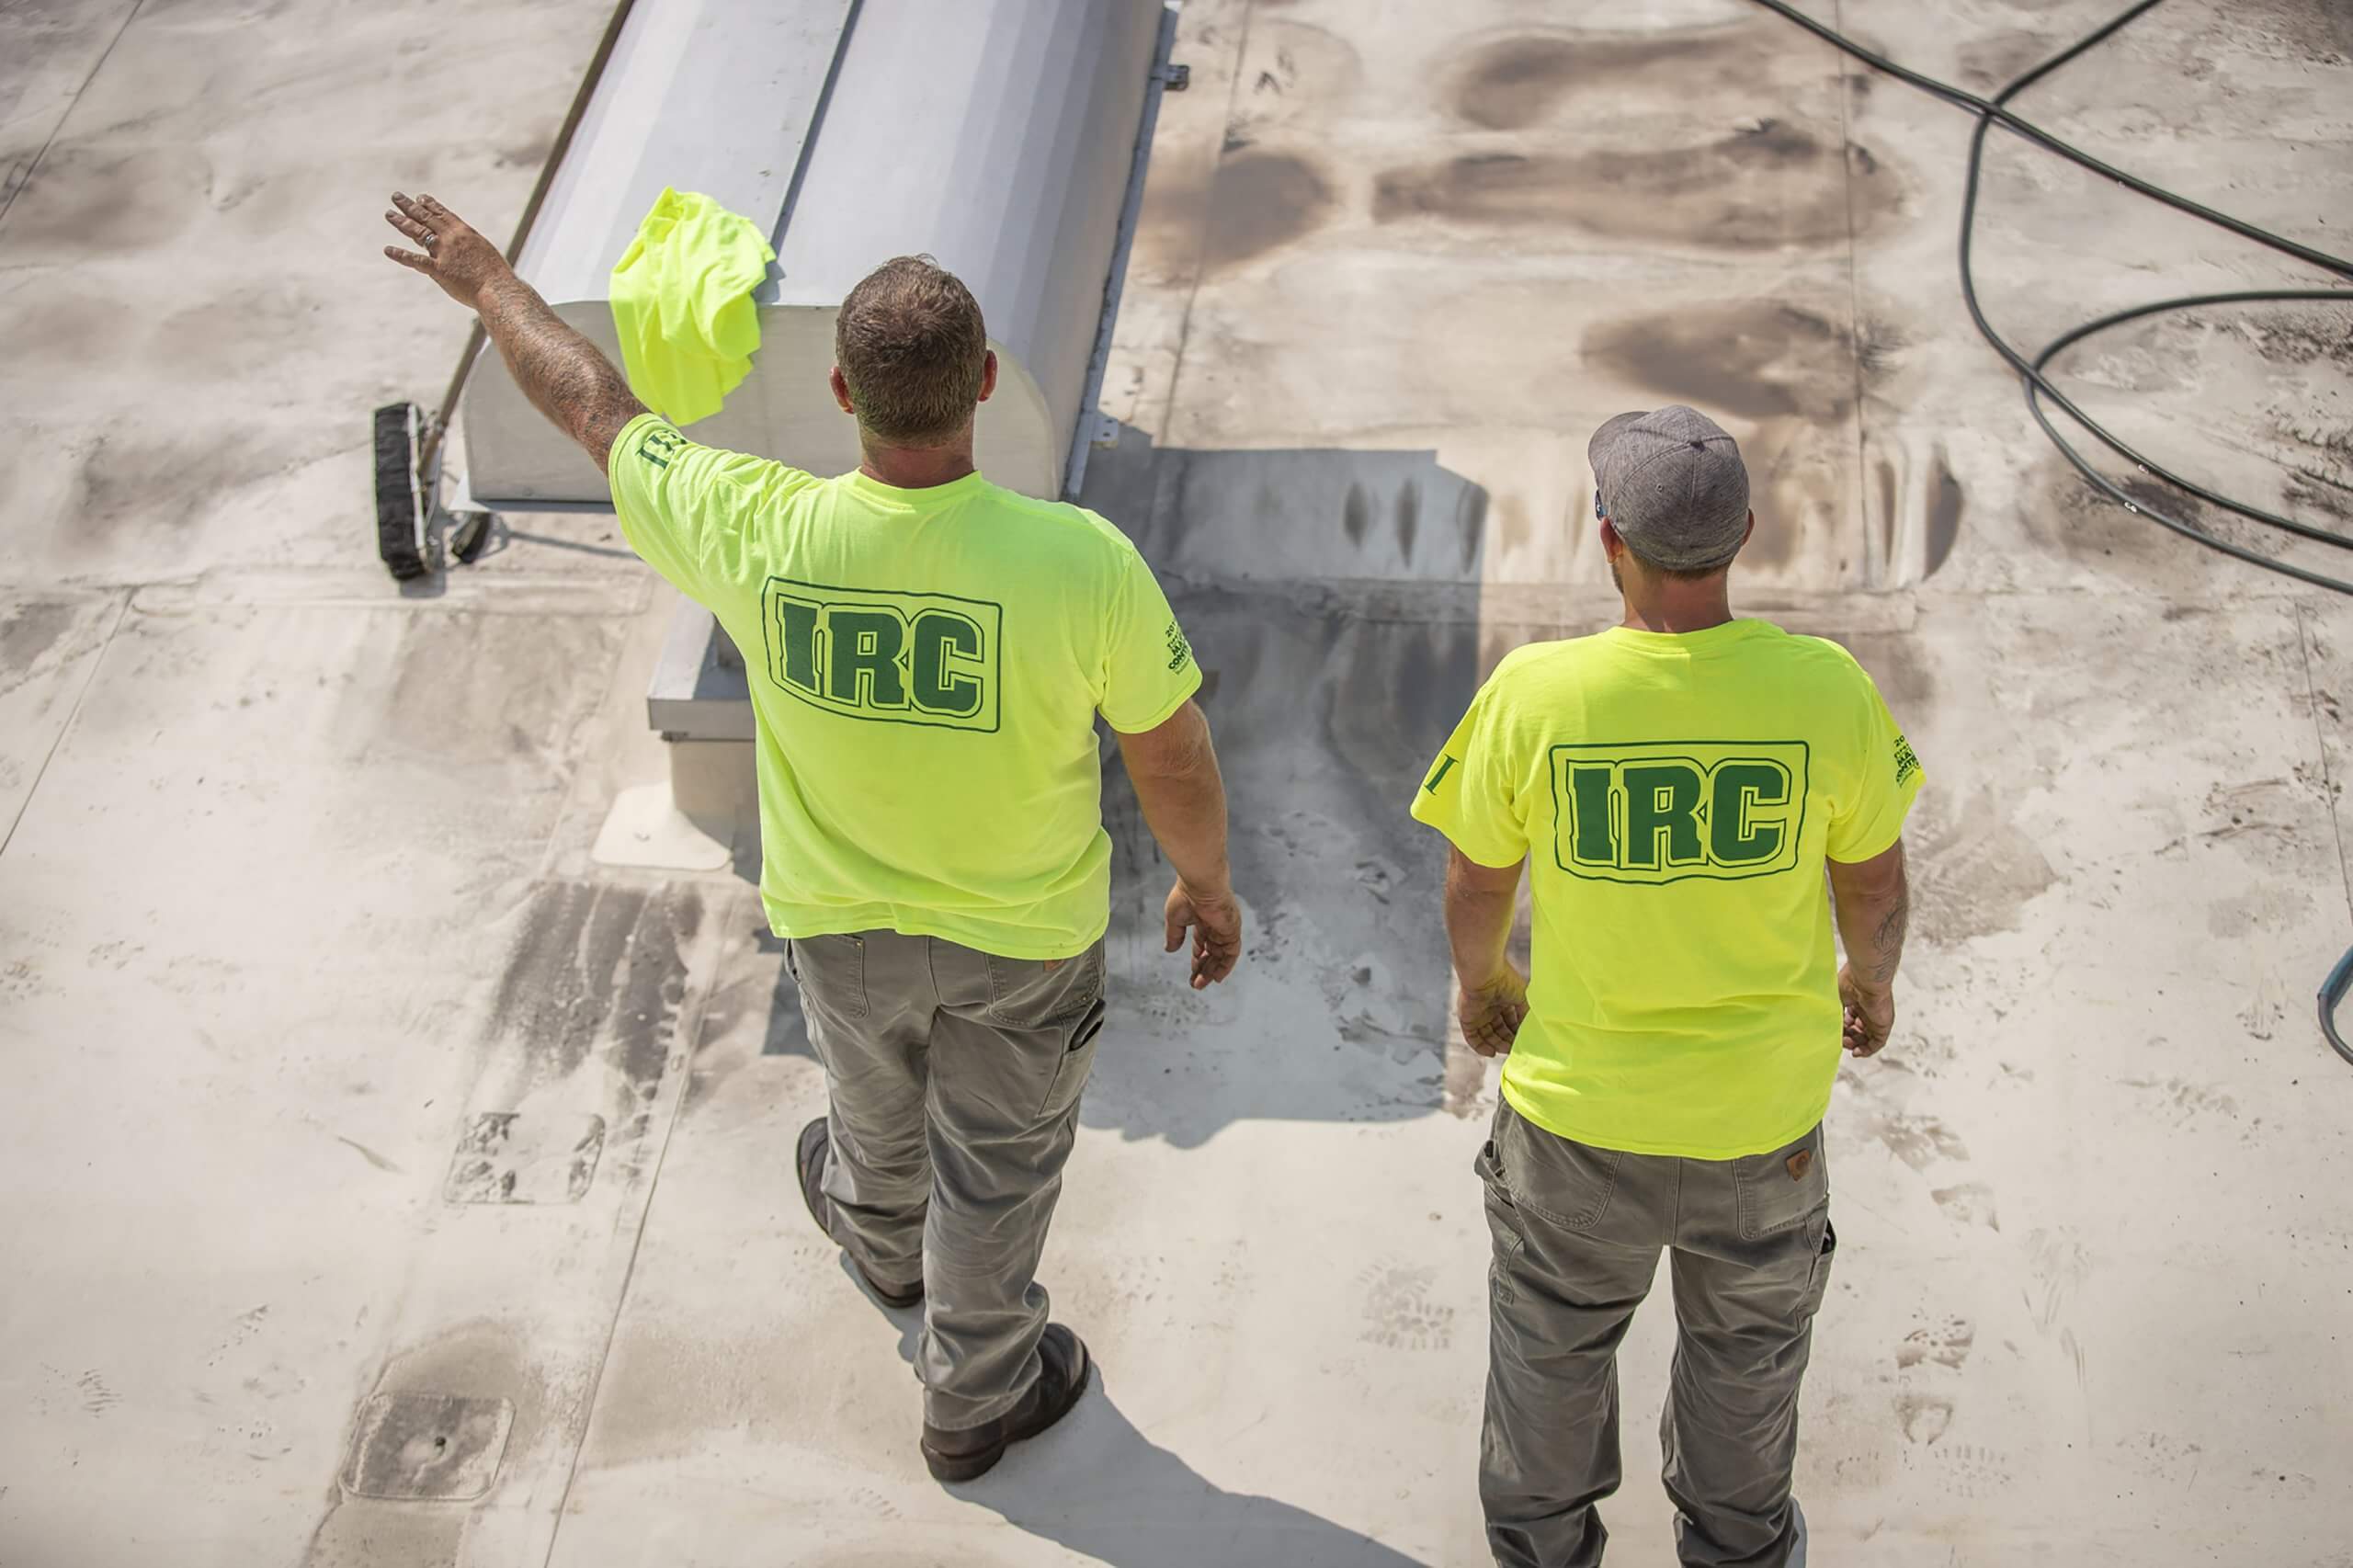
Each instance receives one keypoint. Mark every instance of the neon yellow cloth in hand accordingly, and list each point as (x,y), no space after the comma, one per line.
(682,305)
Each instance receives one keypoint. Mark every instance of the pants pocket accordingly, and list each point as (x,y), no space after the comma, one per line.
(1026,994)
(1559,1180)
(1782,1189)
(1818,1287)
(831,972)
(1077,1061)
(1502,1226)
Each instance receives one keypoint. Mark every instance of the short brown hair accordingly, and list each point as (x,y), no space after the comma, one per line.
(912,345)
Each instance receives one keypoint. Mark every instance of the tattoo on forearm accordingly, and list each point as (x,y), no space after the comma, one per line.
(1887,942)
(563,374)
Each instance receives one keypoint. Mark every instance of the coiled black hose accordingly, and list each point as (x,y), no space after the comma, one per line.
(1993,111)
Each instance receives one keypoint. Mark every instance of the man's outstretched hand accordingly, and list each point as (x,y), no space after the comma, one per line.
(1216,926)
(455,256)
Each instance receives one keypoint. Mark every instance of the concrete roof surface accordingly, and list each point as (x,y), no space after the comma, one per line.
(305,953)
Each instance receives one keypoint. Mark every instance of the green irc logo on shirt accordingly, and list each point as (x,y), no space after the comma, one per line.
(885,655)
(1671,811)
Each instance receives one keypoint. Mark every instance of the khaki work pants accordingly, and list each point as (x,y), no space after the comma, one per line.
(1577,1233)
(953,1080)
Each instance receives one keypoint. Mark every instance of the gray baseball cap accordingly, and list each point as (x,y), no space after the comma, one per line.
(1672,484)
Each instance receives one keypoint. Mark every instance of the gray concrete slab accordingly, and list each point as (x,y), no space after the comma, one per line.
(48,53)
(50,645)
(302,881)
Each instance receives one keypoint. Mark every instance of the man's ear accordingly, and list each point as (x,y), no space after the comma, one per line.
(1612,542)
(1749,532)
(841,390)
(988,375)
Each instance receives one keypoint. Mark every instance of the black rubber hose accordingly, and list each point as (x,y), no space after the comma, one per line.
(1991,112)
(2332,992)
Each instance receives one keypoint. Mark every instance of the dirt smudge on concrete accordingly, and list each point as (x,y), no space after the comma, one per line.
(27,634)
(1260,201)
(2321,30)
(1511,82)
(598,970)
(1771,184)
(1968,1203)
(483,1358)
(132,479)
(1295,64)
(1742,357)
(1972,870)
(87,201)
(1997,58)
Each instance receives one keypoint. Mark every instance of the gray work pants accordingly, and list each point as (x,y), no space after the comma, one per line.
(1577,1231)
(954,1079)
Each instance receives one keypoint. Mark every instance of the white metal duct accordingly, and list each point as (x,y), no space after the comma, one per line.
(997,135)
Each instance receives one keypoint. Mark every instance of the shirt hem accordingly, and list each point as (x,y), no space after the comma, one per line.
(1473,856)
(621,438)
(1005,942)
(1561,1127)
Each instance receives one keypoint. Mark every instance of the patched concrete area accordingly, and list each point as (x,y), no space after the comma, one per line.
(316,983)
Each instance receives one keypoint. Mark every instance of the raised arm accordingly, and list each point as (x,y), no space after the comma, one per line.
(1873,900)
(563,374)
(1174,769)
(1492,999)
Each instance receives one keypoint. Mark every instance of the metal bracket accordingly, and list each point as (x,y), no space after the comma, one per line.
(1105,430)
(1175,78)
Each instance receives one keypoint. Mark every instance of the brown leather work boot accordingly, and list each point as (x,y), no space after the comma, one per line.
(809,1160)
(971,1453)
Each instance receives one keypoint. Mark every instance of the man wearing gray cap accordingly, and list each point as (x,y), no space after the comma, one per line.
(1677,784)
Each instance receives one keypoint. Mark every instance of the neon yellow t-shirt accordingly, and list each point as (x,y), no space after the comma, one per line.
(1676,796)
(925,667)
(682,305)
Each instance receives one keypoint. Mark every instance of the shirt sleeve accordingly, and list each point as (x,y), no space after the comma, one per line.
(1887,779)
(1471,792)
(1148,668)
(689,509)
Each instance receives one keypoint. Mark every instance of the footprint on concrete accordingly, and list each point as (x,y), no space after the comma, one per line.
(1964,1470)
(1944,1344)
(1923,1416)
(1399,1312)
(1970,1203)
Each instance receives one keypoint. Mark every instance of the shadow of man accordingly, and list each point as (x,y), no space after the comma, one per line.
(1099,1487)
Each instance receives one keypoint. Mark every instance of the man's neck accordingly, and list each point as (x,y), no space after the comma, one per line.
(1676,613)
(916,467)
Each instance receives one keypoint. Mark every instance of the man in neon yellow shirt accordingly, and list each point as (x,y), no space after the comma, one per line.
(928,656)
(1677,785)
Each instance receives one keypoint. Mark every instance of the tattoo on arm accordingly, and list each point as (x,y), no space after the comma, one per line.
(1887,942)
(562,373)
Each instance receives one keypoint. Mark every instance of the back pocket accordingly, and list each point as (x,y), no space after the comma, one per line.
(1783,1188)
(1024,993)
(1557,1179)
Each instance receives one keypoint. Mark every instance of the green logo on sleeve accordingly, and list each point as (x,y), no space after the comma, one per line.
(893,657)
(659,445)
(1444,766)
(1907,761)
(1670,810)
